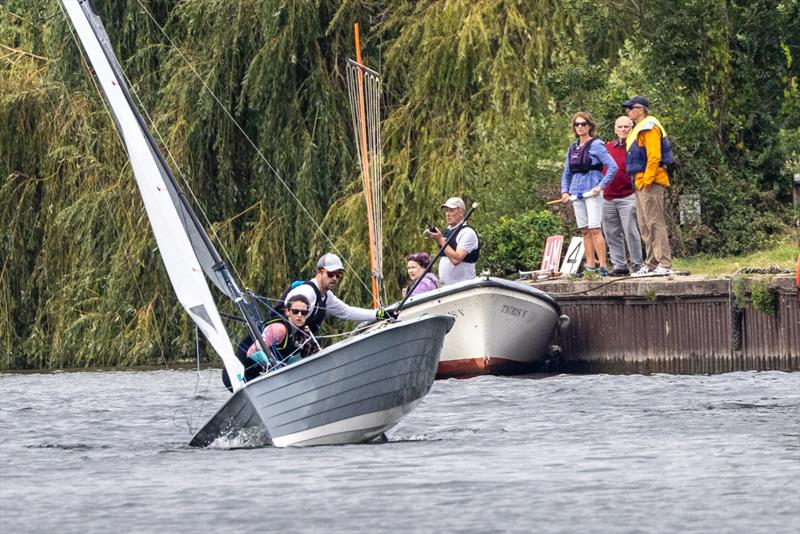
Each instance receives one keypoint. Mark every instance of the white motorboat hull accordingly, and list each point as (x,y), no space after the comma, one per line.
(502,327)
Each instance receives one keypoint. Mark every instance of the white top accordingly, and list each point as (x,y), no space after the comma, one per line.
(452,274)
(335,306)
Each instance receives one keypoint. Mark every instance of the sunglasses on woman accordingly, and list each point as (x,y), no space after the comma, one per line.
(295,311)
(578,123)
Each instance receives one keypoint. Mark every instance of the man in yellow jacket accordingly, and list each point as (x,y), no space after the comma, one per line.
(648,153)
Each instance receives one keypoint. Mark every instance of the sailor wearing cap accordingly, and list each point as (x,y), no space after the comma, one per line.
(322,300)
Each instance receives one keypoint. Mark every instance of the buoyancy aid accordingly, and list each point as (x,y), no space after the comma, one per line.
(636,156)
(314,321)
(296,344)
(580,161)
(472,256)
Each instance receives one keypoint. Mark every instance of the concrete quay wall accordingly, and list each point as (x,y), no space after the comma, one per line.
(678,324)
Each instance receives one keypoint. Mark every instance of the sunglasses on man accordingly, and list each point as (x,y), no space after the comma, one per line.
(335,275)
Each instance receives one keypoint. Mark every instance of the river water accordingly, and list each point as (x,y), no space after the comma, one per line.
(106,452)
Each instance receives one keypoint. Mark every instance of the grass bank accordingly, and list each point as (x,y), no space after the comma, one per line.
(782,255)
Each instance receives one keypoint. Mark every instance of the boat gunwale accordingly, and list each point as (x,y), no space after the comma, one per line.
(347,342)
(362,372)
(248,389)
(480,282)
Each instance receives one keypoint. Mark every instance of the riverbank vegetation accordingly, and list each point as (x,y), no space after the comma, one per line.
(780,257)
(478,98)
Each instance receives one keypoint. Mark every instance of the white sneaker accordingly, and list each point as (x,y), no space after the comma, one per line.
(643,271)
(662,271)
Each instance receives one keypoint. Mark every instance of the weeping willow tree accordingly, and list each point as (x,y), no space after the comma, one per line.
(248,101)
(84,285)
(251,120)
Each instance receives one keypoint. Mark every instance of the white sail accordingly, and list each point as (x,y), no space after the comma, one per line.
(176,249)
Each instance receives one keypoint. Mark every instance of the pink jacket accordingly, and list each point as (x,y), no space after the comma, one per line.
(428,283)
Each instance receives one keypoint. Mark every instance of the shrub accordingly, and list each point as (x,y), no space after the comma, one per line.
(517,243)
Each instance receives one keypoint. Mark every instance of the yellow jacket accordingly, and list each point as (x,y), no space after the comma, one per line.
(647,133)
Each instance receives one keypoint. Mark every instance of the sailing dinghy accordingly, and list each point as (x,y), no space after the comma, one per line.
(350,392)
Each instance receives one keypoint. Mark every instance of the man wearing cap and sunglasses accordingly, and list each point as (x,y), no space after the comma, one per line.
(458,262)
(322,301)
(648,154)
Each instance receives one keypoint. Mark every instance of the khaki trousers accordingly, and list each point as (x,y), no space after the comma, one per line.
(653,226)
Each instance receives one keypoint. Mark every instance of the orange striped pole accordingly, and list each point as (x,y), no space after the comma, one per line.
(365,167)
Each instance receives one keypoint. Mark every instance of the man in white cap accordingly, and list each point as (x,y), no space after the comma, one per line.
(321,299)
(462,251)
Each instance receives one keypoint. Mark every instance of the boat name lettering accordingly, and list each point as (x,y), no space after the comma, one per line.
(511,310)
(455,313)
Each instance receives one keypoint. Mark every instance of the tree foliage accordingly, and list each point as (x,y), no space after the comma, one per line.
(249,103)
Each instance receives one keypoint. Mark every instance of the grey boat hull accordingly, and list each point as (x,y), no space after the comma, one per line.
(350,392)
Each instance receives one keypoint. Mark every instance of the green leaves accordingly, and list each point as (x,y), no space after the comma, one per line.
(517,244)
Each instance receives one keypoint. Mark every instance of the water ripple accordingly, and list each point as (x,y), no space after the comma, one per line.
(588,453)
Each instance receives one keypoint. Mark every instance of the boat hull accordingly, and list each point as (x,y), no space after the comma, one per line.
(502,327)
(350,392)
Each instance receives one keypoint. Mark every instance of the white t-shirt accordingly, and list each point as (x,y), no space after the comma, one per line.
(451,274)
(334,306)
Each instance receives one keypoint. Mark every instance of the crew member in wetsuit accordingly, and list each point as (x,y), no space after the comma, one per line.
(288,338)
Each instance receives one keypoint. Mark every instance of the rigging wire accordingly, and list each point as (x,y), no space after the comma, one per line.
(364,93)
(194,422)
(198,205)
(193,415)
(250,141)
